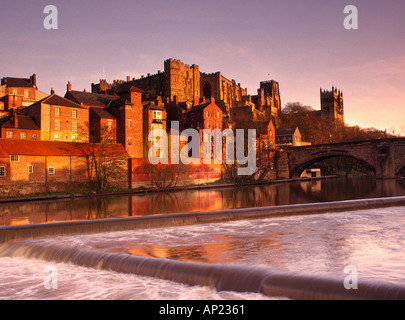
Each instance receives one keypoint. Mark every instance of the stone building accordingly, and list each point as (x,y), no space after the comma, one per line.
(332,104)
(184,81)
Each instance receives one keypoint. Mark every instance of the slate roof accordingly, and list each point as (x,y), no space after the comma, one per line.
(17,82)
(286,131)
(89,98)
(102,113)
(56,100)
(24,122)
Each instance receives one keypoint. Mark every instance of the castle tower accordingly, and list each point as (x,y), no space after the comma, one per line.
(332,104)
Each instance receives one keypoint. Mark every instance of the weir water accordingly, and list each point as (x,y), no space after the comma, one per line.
(221,277)
(18,241)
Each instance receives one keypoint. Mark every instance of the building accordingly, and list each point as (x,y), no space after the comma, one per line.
(268,99)
(48,166)
(128,110)
(183,81)
(205,116)
(332,105)
(19,93)
(19,126)
(102,124)
(59,119)
(289,137)
(154,117)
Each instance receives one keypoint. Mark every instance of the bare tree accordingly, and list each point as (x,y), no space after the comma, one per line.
(108,160)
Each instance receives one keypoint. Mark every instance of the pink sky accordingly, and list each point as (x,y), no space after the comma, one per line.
(301,44)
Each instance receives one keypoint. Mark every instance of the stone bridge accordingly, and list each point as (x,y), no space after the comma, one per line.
(386,157)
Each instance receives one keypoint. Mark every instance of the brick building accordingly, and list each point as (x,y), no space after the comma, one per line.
(19,126)
(154,117)
(19,92)
(59,119)
(43,166)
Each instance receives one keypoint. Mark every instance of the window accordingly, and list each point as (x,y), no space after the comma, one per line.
(218,125)
(2,171)
(207,114)
(51,170)
(74,138)
(9,134)
(1,105)
(129,123)
(30,169)
(56,137)
(57,125)
(74,126)
(14,158)
(157,115)
(23,135)
(74,114)
(130,141)
(57,112)
(218,115)
(26,94)
(34,136)
(109,125)
(15,92)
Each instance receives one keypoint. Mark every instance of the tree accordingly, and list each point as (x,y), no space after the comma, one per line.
(108,160)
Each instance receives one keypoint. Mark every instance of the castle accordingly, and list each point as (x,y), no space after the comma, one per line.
(188,83)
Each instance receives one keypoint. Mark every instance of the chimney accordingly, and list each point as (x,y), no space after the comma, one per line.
(158,101)
(128,78)
(15,116)
(69,86)
(212,100)
(33,79)
(196,101)
(52,91)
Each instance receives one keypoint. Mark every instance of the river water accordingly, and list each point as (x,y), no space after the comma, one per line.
(197,200)
(309,246)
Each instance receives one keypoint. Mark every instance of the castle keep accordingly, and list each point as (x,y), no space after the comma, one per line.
(187,83)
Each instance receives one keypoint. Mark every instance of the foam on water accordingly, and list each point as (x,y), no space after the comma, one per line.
(314,249)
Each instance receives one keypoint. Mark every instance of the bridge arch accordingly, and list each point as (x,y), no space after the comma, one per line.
(298,168)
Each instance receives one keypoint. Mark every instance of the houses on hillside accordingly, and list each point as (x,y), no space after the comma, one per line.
(38,131)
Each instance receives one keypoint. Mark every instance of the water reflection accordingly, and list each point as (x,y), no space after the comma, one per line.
(197,200)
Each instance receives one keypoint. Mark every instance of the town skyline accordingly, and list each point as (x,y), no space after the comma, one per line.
(302,46)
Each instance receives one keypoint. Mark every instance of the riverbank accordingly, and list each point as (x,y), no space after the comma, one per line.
(122,192)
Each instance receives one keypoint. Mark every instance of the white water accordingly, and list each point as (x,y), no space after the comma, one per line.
(315,245)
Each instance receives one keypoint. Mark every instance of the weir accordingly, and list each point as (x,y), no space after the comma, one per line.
(24,232)
(222,277)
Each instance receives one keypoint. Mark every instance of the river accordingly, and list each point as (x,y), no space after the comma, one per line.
(106,265)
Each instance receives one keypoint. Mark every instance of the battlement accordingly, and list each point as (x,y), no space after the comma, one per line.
(334,91)
(179,63)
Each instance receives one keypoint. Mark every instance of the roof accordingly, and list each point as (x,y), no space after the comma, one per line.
(56,100)
(89,98)
(24,122)
(200,107)
(54,148)
(286,131)
(17,82)
(125,87)
(153,106)
(102,113)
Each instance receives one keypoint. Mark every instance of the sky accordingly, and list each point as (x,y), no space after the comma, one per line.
(301,44)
